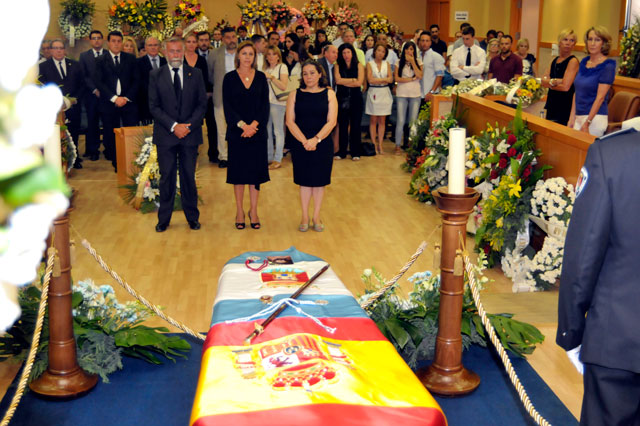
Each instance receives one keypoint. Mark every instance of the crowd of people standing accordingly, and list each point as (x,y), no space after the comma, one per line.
(260,91)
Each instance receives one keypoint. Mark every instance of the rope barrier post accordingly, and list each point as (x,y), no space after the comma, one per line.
(64,378)
(446,375)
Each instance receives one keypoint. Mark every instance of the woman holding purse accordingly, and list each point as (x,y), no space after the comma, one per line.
(278,76)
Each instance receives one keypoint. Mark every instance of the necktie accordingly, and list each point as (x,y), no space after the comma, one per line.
(61,70)
(154,62)
(177,87)
(468,61)
(96,54)
(117,61)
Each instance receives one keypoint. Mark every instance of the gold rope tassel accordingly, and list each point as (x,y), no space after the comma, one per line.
(26,372)
(457,264)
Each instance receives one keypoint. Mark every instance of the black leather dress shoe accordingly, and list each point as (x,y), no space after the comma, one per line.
(222,164)
(77,165)
(161,228)
(194,224)
(94,157)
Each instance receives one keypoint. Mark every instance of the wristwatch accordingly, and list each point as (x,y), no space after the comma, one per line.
(318,139)
(241,124)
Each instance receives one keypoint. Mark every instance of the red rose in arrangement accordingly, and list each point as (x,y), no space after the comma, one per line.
(511,139)
(511,152)
(494,174)
(519,157)
(526,172)
(487,249)
(502,163)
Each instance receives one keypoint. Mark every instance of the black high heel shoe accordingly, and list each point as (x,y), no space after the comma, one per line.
(241,225)
(254,225)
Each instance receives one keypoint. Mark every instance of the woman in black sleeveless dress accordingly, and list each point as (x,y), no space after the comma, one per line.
(559,79)
(311,116)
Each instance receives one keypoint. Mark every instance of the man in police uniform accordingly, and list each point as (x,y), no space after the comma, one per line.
(599,305)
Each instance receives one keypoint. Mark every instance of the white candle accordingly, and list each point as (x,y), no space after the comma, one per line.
(52,148)
(457,141)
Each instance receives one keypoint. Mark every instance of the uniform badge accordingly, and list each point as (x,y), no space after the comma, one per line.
(582,181)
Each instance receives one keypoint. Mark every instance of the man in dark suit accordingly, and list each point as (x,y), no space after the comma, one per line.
(328,60)
(117,80)
(66,74)
(145,65)
(178,102)
(204,50)
(598,313)
(91,98)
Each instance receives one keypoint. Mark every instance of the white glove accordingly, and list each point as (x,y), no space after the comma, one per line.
(574,357)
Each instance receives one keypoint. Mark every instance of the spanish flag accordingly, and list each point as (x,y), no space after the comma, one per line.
(320,362)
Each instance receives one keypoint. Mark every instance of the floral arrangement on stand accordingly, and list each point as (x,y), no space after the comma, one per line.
(347,13)
(144,190)
(32,193)
(104,329)
(551,207)
(281,13)
(377,23)
(430,172)
(223,23)
(256,16)
(316,11)
(76,19)
(141,19)
(417,134)
(505,211)
(629,48)
(188,11)
(411,322)
(525,90)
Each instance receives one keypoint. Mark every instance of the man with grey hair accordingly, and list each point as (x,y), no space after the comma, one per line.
(177,101)
(145,64)
(349,36)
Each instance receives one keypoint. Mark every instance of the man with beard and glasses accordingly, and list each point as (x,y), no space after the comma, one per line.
(178,102)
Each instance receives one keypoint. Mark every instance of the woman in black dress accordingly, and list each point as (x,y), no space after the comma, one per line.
(559,79)
(312,112)
(245,96)
(349,74)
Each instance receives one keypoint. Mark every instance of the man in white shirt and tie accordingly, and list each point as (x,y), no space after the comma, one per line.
(468,60)
(92,94)
(145,64)
(66,74)
(204,44)
(217,38)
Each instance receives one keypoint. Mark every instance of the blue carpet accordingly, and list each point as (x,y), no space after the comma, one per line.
(145,394)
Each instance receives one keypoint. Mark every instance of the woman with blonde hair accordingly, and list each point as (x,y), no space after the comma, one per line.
(277,74)
(493,50)
(245,97)
(522,50)
(129,46)
(559,77)
(595,76)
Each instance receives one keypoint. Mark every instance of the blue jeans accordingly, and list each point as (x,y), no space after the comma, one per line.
(413,104)
(276,126)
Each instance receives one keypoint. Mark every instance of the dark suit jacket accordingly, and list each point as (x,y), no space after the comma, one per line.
(143,68)
(72,85)
(107,75)
(164,105)
(599,277)
(332,79)
(88,62)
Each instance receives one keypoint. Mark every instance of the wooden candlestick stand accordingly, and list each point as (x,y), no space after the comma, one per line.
(64,378)
(446,375)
